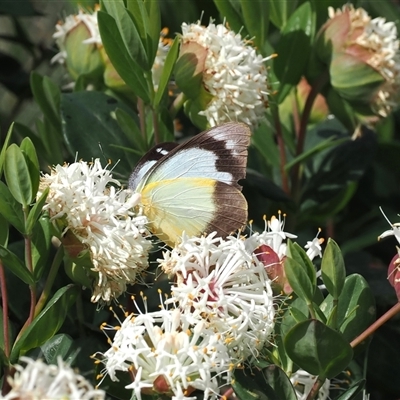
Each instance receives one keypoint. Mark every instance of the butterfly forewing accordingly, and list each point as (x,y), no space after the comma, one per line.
(194,187)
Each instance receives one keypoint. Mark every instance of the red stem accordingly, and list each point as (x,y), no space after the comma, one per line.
(4,299)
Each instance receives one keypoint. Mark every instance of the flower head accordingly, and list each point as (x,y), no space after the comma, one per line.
(360,49)
(165,354)
(220,283)
(87,202)
(37,380)
(81,49)
(233,73)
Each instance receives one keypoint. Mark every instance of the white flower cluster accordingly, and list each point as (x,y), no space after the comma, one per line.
(224,285)
(37,380)
(71,22)
(380,40)
(234,74)
(220,315)
(91,205)
(89,19)
(166,354)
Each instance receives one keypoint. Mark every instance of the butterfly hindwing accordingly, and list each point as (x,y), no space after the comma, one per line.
(194,187)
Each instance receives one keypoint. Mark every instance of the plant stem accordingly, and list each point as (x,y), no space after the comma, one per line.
(4,299)
(378,323)
(315,389)
(301,134)
(156,128)
(50,280)
(281,146)
(142,118)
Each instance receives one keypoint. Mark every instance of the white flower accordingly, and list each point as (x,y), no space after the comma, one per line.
(395,231)
(303,382)
(314,247)
(219,282)
(234,74)
(89,19)
(37,380)
(72,21)
(379,40)
(273,236)
(91,205)
(165,354)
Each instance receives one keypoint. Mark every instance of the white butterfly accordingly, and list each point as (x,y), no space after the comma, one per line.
(193,187)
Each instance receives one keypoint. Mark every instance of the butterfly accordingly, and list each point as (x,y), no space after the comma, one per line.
(193,186)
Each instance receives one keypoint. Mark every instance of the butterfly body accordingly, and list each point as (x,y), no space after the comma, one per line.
(194,187)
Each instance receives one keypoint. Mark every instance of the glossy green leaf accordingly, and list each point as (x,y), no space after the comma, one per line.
(41,246)
(279,382)
(47,323)
(51,141)
(295,251)
(299,280)
(59,345)
(10,209)
(36,210)
(318,349)
(251,386)
(293,49)
(17,175)
(167,72)
(229,9)
(4,148)
(356,307)
(333,271)
(15,265)
(153,29)
(256,10)
(127,68)
(32,162)
(89,120)
(47,96)
(131,33)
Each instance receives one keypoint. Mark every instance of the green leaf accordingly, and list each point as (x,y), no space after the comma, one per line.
(47,323)
(295,251)
(294,48)
(166,72)
(251,386)
(318,349)
(15,265)
(41,246)
(36,210)
(356,307)
(280,11)
(279,382)
(256,10)
(127,68)
(132,131)
(153,29)
(94,113)
(59,345)
(4,148)
(353,391)
(333,271)
(4,231)
(130,29)
(233,15)
(47,96)
(29,152)
(10,209)
(17,175)
(299,280)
